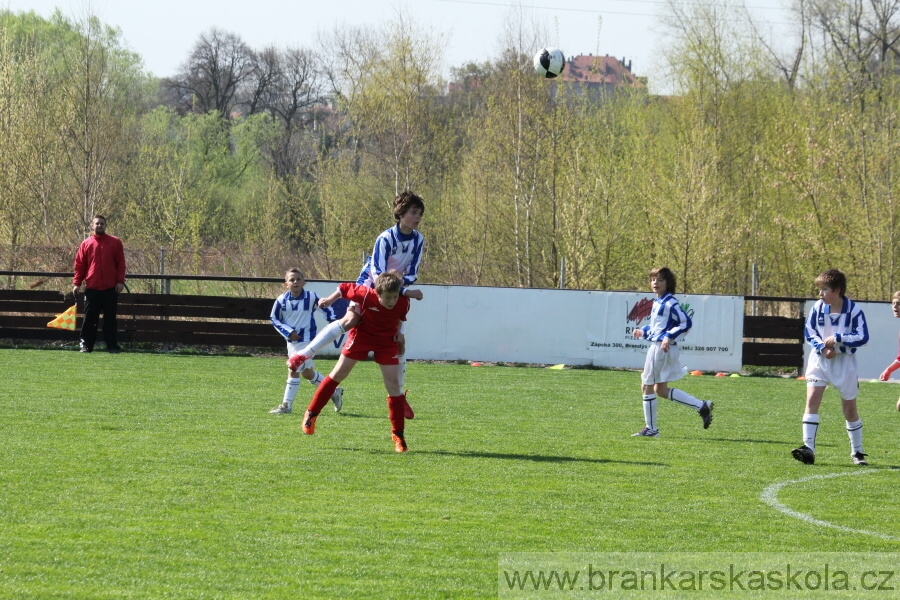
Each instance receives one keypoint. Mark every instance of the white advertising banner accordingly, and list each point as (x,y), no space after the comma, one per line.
(712,344)
(548,326)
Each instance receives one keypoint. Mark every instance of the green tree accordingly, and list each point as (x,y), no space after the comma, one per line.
(386,136)
(185,171)
(101,93)
(604,225)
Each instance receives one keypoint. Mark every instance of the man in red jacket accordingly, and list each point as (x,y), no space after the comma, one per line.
(100,268)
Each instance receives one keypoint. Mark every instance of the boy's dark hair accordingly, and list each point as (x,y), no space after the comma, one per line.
(833,279)
(405,201)
(95,217)
(668,275)
(388,282)
(295,271)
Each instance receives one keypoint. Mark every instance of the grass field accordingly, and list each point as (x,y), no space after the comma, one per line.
(164,476)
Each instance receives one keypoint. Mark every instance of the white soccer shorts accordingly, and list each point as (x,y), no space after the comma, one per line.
(839,372)
(662,367)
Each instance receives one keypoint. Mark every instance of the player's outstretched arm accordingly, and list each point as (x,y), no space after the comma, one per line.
(887,372)
(401,342)
(329,300)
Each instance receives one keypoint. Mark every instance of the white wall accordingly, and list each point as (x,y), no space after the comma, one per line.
(578,327)
(573,327)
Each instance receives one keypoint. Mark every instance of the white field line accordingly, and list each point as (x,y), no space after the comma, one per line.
(770,497)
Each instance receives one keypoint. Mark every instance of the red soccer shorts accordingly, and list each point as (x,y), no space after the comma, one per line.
(387,352)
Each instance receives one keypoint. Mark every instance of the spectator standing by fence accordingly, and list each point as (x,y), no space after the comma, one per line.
(100,270)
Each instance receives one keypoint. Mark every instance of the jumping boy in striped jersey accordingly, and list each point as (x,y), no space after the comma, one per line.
(835,328)
(396,249)
(668,325)
(292,316)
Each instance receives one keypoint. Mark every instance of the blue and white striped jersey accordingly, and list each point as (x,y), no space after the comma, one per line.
(667,320)
(296,314)
(848,327)
(394,251)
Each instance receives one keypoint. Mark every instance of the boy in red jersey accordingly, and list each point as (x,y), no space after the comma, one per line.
(380,330)
(895,306)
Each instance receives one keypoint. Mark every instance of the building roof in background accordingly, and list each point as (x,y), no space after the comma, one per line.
(609,70)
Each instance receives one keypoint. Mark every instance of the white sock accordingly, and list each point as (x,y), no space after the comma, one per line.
(316,379)
(402,371)
(290,390)
(682,397)
(650,405)
(810,428)
(329,333)
(854,430)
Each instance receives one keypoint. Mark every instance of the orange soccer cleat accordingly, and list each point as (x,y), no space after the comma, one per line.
(309,423)
(399,443)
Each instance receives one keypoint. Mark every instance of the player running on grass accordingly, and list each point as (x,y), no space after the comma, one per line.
(382,315)
(835,328)
(292,317)
(668,324)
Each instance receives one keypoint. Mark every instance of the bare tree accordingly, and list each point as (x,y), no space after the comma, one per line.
(259,87)
(299,87)
(213,75)
(294,101)
(787,66)
(861,36)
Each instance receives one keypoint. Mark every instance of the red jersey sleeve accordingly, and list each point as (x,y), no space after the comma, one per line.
(354,292)
(120,262)
(80,266)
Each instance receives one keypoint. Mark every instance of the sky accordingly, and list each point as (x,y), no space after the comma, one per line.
(163,32)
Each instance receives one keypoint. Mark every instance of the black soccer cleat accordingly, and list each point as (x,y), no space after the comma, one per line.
(706,414)
(804,454)
(859,458)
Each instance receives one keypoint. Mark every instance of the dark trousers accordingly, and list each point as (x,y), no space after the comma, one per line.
(96,302)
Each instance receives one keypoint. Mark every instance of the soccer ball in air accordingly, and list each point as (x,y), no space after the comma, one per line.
(549,62)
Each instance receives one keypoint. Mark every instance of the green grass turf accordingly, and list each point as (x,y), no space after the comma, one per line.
(152,476)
